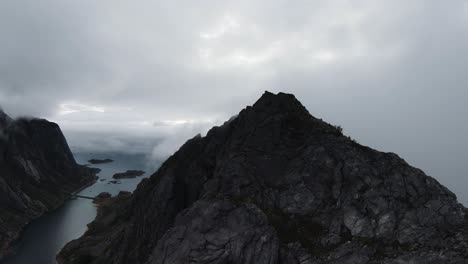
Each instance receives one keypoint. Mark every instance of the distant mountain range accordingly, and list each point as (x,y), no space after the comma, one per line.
(277,185)
(37,170)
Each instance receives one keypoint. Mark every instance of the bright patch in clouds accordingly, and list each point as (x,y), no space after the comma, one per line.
(325,56)
(181,122)
(237,58)
(228,24)
(69,108)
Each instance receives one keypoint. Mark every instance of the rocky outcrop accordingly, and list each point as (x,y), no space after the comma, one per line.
(129,174)
(37,170)
(276,185)
(100,161)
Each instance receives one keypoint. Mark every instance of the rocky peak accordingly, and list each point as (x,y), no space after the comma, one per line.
(276,185)
(280,103)
(4,119)
(2,114)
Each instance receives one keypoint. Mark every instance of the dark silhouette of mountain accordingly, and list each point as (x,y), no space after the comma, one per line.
(99,161)
(128,174)
(277,185)
(37,169)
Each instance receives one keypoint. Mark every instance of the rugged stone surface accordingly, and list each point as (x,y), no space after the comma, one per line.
(128,174)
(276,185)
(36,170)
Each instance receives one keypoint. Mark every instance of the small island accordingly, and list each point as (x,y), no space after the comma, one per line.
(113,182)
(100,161)
(128,174)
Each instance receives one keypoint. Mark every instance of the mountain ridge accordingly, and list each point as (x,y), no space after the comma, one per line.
(37,170)
(277,185)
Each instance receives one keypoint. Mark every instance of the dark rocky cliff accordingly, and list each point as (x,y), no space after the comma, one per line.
(276,185)
(37,168)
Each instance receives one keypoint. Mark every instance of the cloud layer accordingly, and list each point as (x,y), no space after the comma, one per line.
(392,73)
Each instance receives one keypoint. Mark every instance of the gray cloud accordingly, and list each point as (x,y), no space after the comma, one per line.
(392,73)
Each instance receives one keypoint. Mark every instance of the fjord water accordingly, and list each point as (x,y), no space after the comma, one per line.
(44,237)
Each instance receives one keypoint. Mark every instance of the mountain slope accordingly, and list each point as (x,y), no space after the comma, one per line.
(37,168)
(276,185)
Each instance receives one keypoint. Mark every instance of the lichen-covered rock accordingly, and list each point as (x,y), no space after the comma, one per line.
(276,185)
(37,169)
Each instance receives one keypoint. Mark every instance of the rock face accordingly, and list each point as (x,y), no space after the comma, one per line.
(36,168)
(276,185)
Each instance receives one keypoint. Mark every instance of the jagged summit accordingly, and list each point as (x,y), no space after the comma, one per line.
(276,185)
(284,110)
(4,119)
(279,103)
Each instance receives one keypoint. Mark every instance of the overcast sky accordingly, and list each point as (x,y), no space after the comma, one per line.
(143,76)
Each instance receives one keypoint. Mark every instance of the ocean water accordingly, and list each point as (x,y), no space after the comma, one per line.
(44,237)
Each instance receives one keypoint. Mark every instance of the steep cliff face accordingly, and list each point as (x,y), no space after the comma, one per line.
(276,185)
(37,168)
